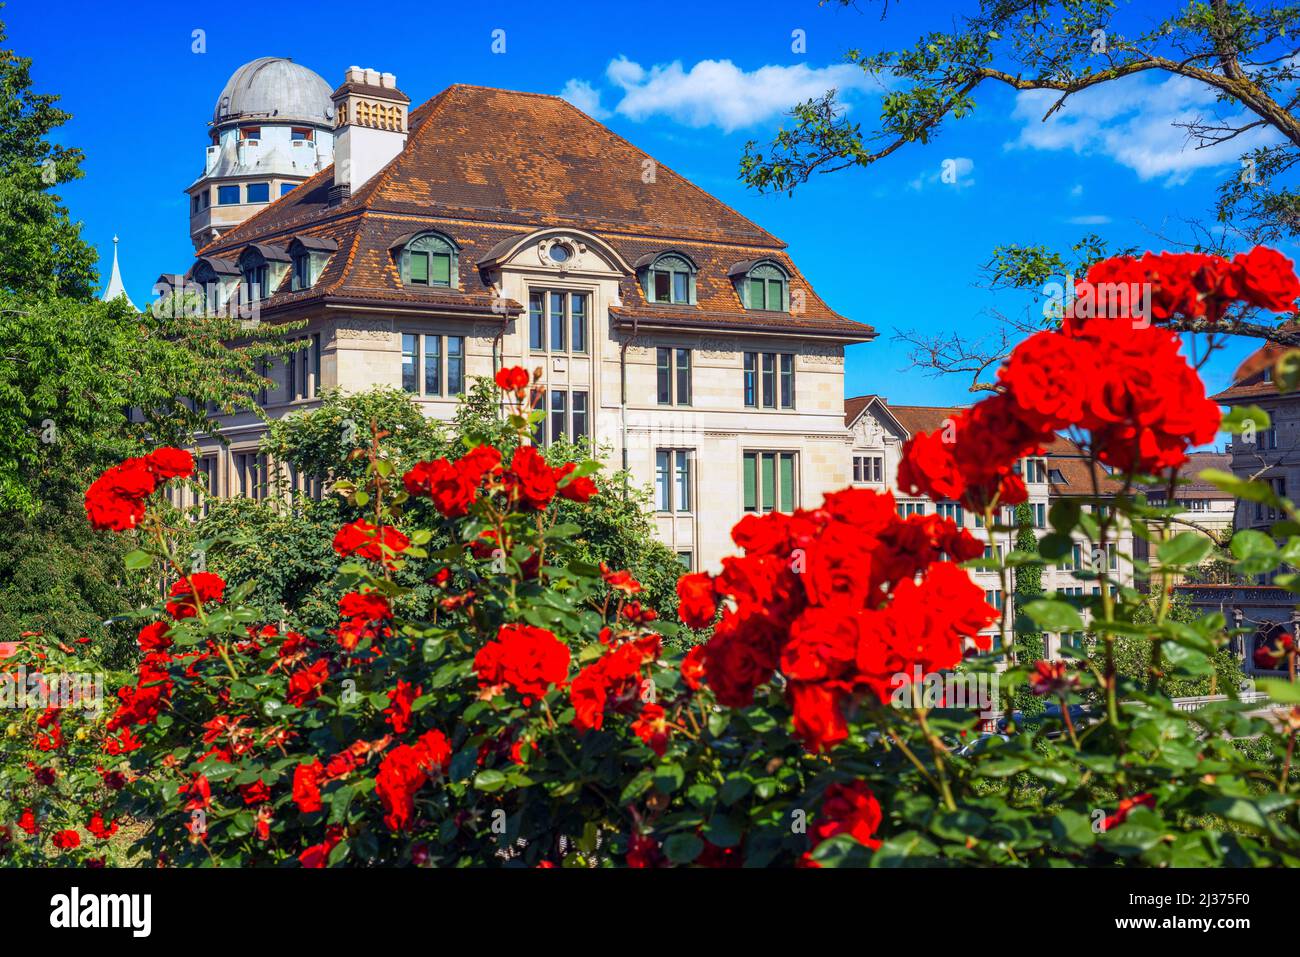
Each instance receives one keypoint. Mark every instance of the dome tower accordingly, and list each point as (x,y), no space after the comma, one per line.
(272,127)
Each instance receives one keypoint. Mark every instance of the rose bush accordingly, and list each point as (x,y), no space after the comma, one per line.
(538,715)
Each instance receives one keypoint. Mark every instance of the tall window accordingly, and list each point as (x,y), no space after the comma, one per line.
(1035,470)
(259,192)
(302,379)
(557,321)
(433,365)
(429,260)
(952,510)
(769,380)
(769,481)
(302,271)
(255,283)
(908,509)
(673,376)
(671,279)
(250,474)
(228,195)
(673,480)
(868,468)
(207,475)
(567,416)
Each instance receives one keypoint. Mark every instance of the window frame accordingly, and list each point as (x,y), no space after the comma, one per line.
(679,465)
(573,325)
(451,356)
(754,489)
(767,372)
(673,376)
(428,247)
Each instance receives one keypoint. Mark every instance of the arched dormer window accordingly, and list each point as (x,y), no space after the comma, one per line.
(261,267)
(762,284)
(309,255)
(668,278)
(428,259)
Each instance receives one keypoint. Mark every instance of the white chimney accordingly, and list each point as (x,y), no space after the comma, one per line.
(369,128)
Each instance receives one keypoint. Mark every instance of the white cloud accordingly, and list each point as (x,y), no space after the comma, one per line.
(1076,190)
(1088,220)
(585,97)
(954,173)
(719,93)
(1130,121)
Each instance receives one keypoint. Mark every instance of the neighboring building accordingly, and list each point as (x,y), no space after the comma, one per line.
(272,128)
(488,228)
(1271,455)
(1204,508)
(877,431)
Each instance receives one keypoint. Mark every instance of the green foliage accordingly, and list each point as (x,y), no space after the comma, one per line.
(1029,587)
(41,249)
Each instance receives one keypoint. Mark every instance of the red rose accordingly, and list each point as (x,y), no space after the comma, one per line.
(67,840)
(530,480)
(849,809)
(193,592)
(115,500)
(1268,279)
(306,786)
(696,603)
(366,540)
(512,379)
(693,667)
(398,712)
(530,660)
(305,683)
(167,463)
(651,726)
(99,828)
(154,637)
(579,489)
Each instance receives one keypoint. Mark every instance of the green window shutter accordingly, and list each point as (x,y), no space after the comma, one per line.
(751,482)
(787,481)
(419,269)
(440,274)
(756,294)
(769,481)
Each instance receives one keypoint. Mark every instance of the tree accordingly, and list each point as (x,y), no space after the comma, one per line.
(41,249)
(1029,586)
(1246,53)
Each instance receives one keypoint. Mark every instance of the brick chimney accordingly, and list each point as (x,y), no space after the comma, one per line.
(369,128)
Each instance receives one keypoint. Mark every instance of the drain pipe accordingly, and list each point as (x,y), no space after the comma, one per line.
(622,384)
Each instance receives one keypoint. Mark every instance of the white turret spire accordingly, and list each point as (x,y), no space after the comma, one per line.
(115,287)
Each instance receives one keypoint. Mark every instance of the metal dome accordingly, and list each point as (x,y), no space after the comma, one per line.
(276,90)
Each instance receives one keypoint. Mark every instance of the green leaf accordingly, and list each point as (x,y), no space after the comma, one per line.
(137,559)
(683,848)
(1185,548)
(1243,418)
(1052,615)
(489,780)
(1249,543)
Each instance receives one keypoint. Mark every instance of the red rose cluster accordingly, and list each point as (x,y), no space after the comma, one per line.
(831,598)
(368,541)
(847,809)
(1107,371)
(530,660)
(116,500)
(529,483)
(1195,285)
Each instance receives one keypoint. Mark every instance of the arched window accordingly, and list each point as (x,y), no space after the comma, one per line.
(668,278)
(429,259)
(763,284)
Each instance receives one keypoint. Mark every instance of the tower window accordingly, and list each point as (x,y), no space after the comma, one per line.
(259,192)
(227,195)
(287,188)
(250,133)
(302,133)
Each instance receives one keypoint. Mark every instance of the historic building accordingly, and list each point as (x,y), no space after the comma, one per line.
(488,227)
(877,431)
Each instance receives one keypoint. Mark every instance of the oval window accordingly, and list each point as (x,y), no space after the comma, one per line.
(560,253)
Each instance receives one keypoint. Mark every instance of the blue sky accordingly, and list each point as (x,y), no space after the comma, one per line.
(893,245)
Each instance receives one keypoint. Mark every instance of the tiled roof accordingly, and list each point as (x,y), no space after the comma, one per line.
(853,407)
(1249,381)
(486,165)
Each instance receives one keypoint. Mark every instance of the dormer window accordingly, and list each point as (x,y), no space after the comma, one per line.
(309,255)
(429,259)
(762,284)
(668,278)
(262,267)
